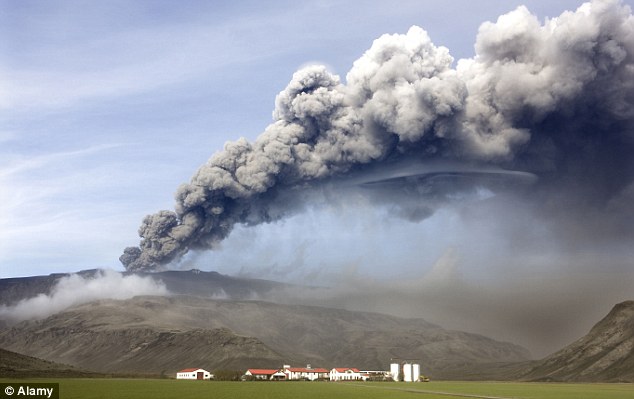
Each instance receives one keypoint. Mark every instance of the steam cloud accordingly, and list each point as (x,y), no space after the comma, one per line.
(552,100)
(75,290)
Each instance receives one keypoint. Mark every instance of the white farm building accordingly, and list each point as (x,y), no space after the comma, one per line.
(345,374)
(264,374)
(194,374)
(304,373)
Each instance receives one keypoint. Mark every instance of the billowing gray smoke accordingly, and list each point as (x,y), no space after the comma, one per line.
(553,99)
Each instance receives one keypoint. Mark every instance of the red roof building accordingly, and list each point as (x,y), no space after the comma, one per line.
(265,374)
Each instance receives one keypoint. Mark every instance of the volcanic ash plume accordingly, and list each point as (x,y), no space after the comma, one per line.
(553,99)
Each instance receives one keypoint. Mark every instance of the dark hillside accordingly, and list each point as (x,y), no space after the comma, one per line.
(606,353)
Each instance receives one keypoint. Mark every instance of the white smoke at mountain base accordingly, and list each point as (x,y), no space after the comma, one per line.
(75,290)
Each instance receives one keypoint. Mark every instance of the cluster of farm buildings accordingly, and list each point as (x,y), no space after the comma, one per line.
(408,372)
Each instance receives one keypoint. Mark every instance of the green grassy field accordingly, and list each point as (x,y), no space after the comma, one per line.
(163,389)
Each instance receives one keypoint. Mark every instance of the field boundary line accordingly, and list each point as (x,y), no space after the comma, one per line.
(459,395)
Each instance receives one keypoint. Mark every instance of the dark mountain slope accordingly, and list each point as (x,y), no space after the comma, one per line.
(16,365)
(606,353)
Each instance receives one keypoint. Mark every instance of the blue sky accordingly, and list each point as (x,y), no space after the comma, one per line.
(107,107)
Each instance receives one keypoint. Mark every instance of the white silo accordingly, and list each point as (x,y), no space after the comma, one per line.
(394,367)
(416,372)
(407,372)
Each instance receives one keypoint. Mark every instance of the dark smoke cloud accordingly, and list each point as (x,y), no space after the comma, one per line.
(552,100)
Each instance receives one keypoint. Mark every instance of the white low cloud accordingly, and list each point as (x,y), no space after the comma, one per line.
(74,290)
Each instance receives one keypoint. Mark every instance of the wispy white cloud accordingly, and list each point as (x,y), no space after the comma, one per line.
(130,61)
(18,164)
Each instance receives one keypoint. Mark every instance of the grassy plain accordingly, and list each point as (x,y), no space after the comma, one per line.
(88,388)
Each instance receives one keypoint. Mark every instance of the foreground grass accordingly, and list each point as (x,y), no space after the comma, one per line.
(520,390)
(166,389)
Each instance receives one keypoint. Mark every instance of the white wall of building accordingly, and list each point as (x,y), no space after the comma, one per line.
(344,374)
(298,373)
(193,374)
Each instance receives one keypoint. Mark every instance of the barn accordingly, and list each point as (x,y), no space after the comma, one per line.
(305,373)
(264,374)
(194,374)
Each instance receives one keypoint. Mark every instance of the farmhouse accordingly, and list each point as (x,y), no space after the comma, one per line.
(194,374)
(264,374)
(305,373)
(345,374)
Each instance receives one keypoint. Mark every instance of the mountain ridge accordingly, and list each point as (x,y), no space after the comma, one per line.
(181,282)
(272,333)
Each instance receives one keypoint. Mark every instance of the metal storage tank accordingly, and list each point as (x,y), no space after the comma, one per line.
(407,372)
(394,367)
(416,372)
